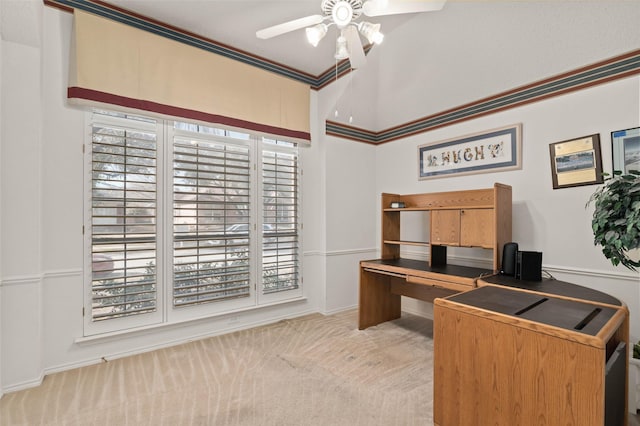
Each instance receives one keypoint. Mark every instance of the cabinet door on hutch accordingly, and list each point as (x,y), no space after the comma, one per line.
(445,227)
(477,228)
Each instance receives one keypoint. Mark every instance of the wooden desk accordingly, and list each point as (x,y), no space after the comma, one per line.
(475,218)
(383,281)
(509,354)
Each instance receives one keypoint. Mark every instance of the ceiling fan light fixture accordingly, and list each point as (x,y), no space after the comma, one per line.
(316,33)
(341,48)
(371,32)
(342,13)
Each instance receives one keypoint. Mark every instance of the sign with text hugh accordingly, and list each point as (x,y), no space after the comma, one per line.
(490,151)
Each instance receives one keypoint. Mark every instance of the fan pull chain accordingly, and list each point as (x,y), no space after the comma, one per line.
(350,95)
(336,112)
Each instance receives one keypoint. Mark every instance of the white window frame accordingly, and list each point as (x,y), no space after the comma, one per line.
(265,298)
(165,312)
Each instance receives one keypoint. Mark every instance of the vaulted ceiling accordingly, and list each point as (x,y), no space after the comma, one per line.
(429,63)
(235,23)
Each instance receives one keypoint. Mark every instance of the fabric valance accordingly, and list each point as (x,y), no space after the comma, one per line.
(122,65)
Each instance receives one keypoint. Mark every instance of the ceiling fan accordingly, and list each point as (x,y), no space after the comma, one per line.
(344,14)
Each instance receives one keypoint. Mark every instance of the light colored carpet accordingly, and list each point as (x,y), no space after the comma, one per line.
(313,370)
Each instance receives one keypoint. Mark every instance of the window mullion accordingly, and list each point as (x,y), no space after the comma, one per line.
(256,209)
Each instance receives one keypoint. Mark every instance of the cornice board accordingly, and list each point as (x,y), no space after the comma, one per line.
(605,71)
(126,17)
(135,20)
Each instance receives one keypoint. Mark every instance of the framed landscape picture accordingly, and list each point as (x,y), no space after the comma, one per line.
(576,162)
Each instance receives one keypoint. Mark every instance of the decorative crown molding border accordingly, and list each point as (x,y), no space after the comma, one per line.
(591,75)
(601,72)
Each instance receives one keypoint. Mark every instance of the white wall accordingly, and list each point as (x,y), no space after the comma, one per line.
(350,209)
(348,188)
(555,222)
(474,49)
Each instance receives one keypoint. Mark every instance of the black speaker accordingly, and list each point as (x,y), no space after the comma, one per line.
(529,265)
(509,252)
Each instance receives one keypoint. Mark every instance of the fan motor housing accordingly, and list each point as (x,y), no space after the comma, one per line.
(338,10)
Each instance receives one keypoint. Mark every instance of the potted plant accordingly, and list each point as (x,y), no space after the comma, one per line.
(616,218)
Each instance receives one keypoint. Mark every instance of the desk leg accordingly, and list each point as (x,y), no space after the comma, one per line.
(377,303)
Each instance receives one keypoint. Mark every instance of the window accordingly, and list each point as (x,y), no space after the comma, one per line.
(280,245)
(203,218)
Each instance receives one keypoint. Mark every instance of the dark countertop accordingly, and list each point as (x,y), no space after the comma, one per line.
(423,265)
(553,286)
(547,286)
(574,315)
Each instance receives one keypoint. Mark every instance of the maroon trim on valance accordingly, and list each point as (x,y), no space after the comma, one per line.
(144,105)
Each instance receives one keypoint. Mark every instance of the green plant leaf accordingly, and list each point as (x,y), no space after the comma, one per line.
(616,217)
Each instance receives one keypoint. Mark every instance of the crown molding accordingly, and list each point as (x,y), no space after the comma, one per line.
(605,71)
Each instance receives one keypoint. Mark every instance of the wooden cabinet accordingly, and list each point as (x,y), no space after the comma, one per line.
(471,218)
(463,227)
(508,357)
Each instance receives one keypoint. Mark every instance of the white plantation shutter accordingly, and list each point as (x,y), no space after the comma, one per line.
(280,239)
(123,221)
(186,221)
(211,196)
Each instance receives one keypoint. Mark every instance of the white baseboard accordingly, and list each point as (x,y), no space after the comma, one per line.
(27,384)
(339,310)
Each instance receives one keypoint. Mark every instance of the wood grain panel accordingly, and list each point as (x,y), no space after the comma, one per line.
(477,228)
(390,227)
(420,291)
(453,199)
(503,217)
(451,285)
(377,303)
(502,374)
(445,227)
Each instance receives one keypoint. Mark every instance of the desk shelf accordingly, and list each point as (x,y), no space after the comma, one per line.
(408,243)
(472,218)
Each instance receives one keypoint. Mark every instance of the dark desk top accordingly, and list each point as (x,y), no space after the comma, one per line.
(548,285)
(553,286)
(422,265)
(567,314)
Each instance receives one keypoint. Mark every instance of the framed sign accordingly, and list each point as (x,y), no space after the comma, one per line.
(490,151)
(626,150)
(576,162)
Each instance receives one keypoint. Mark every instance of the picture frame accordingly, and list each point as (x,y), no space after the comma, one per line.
(493,150)
(625,149)
(576,162)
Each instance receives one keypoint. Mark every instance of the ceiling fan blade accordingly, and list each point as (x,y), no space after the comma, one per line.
(395,7)
(285,27)
(354,46)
